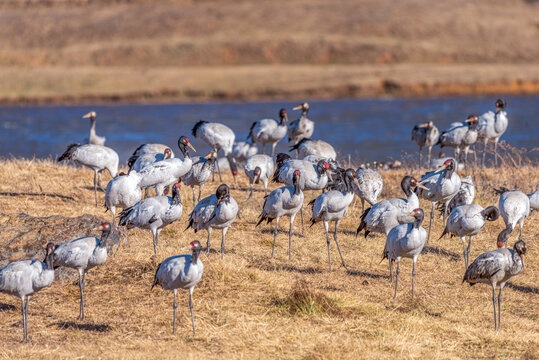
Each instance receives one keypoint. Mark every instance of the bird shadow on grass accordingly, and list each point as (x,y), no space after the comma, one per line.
(6,307)
(15,194)
(524,289)
(86,327)
(282,231)
(367,274)
(436,250)
(289,268)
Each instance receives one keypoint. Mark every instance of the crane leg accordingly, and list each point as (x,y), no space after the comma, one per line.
(390,270)
(193,188)
(200,187)
(292,217)
(82,277)
(397,277)
(500,308)
(475,156)
(428,159)
(520,223)
(274,236)
(191,308)
(463,239)
(24,311)
(419,157)
(494,304)
(99,179)
(174,307)
(208,242)
(223,242)
(273,149)
(327,241)
(113,211)
(468,251)
(430,221)
(336,242)
(496,155)
(445,212)
(155,235)
(218,168)
(362,205)
(413,277)
(302,225)
(95,187)
(484,151)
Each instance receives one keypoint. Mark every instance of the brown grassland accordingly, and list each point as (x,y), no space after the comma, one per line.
(183,50)
(248,306)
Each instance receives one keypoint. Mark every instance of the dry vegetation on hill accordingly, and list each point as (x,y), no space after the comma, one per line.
(110,50)
(249,306)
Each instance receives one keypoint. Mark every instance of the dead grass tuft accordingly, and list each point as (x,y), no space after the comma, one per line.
(303,299)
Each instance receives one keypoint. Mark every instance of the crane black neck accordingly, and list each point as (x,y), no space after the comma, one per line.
(185,152)
(418,220)
(49,260)
(406,185)
(194,255)
(104,237)
(176,198)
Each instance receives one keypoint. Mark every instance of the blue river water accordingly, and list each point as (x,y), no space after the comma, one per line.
(367,129)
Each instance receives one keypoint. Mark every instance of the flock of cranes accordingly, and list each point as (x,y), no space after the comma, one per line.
(155,167)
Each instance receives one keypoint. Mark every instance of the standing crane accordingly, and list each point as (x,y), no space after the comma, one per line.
(370,186)
(496,267)
(301,128)
(83,254)
(93,138)
(284,201)
(167,172)
(122,191)
(306,147)
(217,211)
(217,136)
(154,213)
(24,278)
(426,134)
(492,126)
(514,207)
(258,168)
(405,240)
(441,186)
(333,205)
(95,157)
(269,131)
(200,174)
(468,220)
(386,214)
(460,136)
(181,272)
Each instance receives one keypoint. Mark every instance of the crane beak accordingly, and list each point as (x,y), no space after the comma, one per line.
(298,107)
(87,116)
(421,186)
(191,146)
(329,176)
(97,228)
(424,125)
(210,155)
(441,168)
(357,184)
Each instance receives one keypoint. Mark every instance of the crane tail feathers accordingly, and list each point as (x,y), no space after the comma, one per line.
(155,279)
(68,154)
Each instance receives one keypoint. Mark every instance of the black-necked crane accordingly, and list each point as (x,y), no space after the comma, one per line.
(370,186)
(534,200)
(242,150)
(440,185)
(333,205)
(301,128)
(167,172)
(152,149)
(154,213)
(200,173)
(93,138)
(95,157)
(181,272)
(468,220)
(269,131)
(496,267)
(139,162)
(514,207)
(122,191)
(386,214)
(284,201)
(405,240)
(426,134)
(460,136)
(83,254)
(219,137)
(492,126)
(307,146)
(465,195)
(258,168)
(217,211)
(24,278)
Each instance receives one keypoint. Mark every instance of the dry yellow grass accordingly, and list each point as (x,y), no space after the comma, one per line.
(248,306)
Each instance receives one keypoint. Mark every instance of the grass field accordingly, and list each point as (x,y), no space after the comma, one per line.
(248,306)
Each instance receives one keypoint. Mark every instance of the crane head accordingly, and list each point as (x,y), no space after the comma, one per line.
(90,115)
(195,245)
